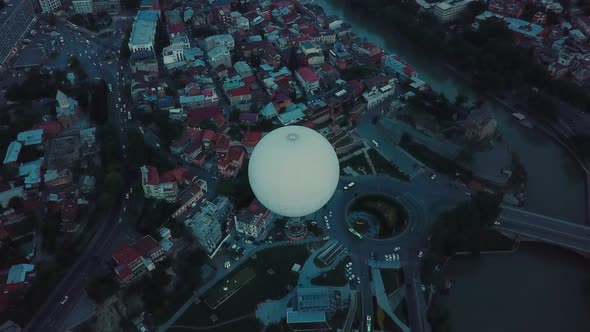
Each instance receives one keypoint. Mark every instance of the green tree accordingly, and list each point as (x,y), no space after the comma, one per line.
(114,183)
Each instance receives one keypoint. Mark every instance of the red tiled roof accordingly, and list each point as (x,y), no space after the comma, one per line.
(243,91)
(153,178)
(208,135)
(50,128)
(222,143)
(219,120)
(235,153)
(197,115)
(176,27)
(126,254)
(309,124)
(252,138)
(358,87)
(307,74)
(15,286)
(146,246)
(123,272)
(176,174)
(249,80)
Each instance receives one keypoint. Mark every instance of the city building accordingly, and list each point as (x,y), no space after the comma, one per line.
(450,10)
(254,221)
(479,125)
(110,6)
(15,22)
(144,30)
(312,308)
(49,6)
(83,6)
(379,88)
(66,109)
(206,225)
(190,198)
(229,165)
(308,79)
(156,187)
(134,260)
(143,61)
(220,40)
(12,152)
(18,277)
(219,55)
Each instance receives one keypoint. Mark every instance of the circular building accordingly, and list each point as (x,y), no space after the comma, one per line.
(293,171)
(295,229)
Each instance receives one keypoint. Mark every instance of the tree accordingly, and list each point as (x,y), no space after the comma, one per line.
(234,115)
(114,183)
(461,99)
(2,4)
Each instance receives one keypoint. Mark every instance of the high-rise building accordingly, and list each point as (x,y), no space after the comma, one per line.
(49,6)
(82,6)
(15,20)
(109,6)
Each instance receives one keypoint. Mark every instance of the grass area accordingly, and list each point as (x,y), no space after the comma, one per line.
(337,321)
(392,279)
(273,280)
(356,163)
(402,311)
(432,159)
(335,277)
(384,166)
(216,295)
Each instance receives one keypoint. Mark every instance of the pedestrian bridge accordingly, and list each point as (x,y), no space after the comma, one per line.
(529,226)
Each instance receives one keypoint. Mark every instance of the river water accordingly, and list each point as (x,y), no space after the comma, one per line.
(555,188)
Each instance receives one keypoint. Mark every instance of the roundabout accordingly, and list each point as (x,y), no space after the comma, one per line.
(376,216)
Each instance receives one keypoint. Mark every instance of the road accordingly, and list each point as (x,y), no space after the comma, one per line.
(421,213)
(545,229)
(110,234)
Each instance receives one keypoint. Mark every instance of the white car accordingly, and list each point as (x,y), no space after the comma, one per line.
(496,223)
(396,249)
(64,300)
(421,254)
(433,176)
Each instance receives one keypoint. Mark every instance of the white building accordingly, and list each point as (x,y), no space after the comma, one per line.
(144,30)
(82,6)
(378,93)
(49,6)
(206,224)
(220,40)
(254,220)
(308,79)
(173,53)
(219,55)
(450,10)
(153,188)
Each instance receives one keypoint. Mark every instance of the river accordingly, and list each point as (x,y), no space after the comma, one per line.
(555,188)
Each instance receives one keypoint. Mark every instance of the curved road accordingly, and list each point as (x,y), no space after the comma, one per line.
(423,199)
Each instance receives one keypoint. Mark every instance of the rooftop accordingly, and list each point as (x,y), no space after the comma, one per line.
(144,27)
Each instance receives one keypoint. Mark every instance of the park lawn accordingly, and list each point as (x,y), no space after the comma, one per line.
(216,295)
(384,166)
(264,286)
(335,277)
(392,280)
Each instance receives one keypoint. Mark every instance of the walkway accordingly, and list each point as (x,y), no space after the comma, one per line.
(222,275)
(204,328)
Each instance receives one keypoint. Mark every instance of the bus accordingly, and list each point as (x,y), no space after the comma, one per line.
(368,323)
(357,234)
(348,186)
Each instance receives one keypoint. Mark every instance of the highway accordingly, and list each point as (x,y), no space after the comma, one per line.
(52,315)
(545,229)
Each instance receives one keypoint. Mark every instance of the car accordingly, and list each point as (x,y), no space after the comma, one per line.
(358,280)
(421,254)
(423,288)
(227,265)
(328,227)
(433,176)
(467,193)
(396,249)
(496,223)
(64,300)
